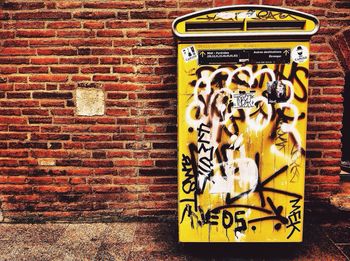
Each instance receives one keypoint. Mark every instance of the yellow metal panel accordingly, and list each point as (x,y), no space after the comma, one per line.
(241,144)
(245,21)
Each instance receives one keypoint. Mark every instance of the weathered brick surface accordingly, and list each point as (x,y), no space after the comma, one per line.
(56,165)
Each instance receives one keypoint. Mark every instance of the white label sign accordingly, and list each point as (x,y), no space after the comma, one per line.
(189,53)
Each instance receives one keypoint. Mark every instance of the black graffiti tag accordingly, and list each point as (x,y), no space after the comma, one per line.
(294,217)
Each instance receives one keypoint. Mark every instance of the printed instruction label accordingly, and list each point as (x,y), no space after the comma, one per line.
(244,56)
(189,53)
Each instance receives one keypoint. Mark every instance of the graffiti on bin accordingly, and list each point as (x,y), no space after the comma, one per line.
(225,159)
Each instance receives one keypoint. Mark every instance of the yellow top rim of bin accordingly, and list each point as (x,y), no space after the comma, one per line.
(241,21)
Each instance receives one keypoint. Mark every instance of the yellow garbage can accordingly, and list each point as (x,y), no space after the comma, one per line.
(242,114)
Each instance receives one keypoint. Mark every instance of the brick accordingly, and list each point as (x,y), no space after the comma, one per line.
(97,163)
(126,24)
(110,33)
(16,189)
(17,95)
(325,99)
(15,43)
(4,16)
(96,69)
(115,5)
(17,78)
(198,3)
(64,69)
(64,25)
(22,6)
(14,60)
(47,78)
(110,51)
(45,60)
(94,15)
(35,33)
(298,2)
(326,136)
(33,69)
(49,136)
(43,15)
(25,25)
(93,25)
(157,172)
(12,120)
(48,42)
(17,51)
(70,162)
(109,145)
(155,51)
(40,180)
(322,3)
(39,120)
(99,155)
(91,137)
(7,34)
(151,34)
(52,189)
(342,5)
(148,14)
(124,69)
(162,3)
(35,112)
(84,60)
(10,112)
(69,4)
(63,112)
(105,78)
(58,51)
(110,60)
(7,70)
(13,154)
(75,34)
(272,2)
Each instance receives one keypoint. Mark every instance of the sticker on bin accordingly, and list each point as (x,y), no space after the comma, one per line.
(277,92)
(243,100)
(300,54)
(189,53)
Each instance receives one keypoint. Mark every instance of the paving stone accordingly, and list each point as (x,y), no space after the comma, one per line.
(338,233)
(78,242)
(158,230)
(154,255)
(24,251)
(345,249)
(112,251)
(120,233)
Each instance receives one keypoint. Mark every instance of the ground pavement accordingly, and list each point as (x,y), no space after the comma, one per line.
(146,240)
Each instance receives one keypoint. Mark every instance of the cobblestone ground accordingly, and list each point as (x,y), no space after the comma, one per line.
(158,241)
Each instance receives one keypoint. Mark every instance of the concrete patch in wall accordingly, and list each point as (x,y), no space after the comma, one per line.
(90,102)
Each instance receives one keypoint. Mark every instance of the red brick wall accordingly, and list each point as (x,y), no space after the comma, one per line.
(124,163)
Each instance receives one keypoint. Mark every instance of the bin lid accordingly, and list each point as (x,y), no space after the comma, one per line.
(242,21)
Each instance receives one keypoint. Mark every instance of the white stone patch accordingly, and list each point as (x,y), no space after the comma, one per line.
(46,162)
(90,102)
